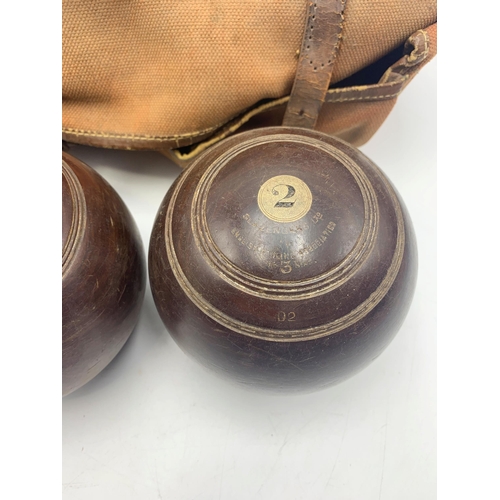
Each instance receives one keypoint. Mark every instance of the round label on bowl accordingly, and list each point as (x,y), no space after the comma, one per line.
(284,198)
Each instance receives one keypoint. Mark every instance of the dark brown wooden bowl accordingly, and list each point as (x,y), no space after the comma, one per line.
(283,258)
(103,273)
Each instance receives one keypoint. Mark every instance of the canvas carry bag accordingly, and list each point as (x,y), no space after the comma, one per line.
(177,77)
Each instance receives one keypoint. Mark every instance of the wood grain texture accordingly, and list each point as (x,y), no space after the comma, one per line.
(103,273)
(277,301)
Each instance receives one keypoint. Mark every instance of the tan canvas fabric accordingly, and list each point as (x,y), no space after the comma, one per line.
(352,113)
(159,74)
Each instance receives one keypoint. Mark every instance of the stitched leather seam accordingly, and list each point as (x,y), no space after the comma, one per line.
(366,98)
(320,45)
(93,133)
(309,37)
(244,118)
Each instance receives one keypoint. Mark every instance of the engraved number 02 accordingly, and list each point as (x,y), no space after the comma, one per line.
(283,316)
(290,194)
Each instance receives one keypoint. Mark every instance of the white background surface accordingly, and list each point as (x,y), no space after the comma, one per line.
(155,425)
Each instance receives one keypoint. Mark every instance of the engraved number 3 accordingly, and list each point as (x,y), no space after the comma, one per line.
(290,193)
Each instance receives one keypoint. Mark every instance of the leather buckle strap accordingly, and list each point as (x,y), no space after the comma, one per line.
(320,46)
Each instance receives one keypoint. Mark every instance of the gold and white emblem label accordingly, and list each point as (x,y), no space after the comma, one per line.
(284,198)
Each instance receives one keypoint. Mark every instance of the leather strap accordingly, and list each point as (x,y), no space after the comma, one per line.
(320,46)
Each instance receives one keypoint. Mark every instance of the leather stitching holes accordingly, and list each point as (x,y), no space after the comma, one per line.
(312,16)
